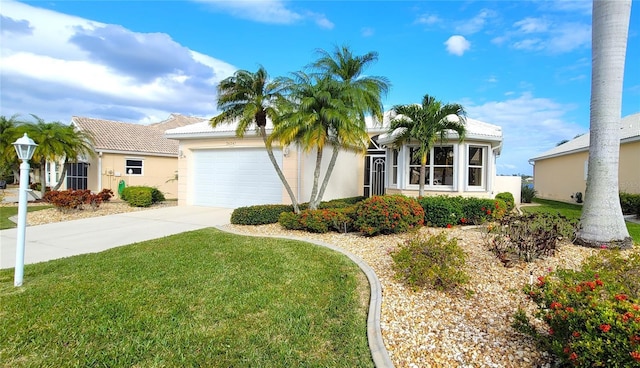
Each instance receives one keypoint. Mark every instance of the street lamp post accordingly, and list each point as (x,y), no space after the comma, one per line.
(25,147)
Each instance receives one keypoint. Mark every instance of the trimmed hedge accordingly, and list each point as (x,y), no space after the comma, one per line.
(508,200)
(440,211)
(318,221)
(141,196)
(630,203)
(260,214)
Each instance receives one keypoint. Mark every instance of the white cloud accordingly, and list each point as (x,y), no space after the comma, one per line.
(542,34)
(457,45)
(428,19)
(68,66)
(267,11)
(530,125)
(475,24)
(532,25)
(367,32)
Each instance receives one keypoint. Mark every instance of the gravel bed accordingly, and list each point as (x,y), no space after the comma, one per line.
(50,215)
(465,328)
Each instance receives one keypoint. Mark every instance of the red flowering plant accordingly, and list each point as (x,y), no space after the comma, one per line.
(388,214)
(593,315)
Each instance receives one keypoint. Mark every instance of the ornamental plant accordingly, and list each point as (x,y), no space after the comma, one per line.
(317,221)
(508,199)
(73,200)
(434,261)
(592,320)
(388,214)
(441,211)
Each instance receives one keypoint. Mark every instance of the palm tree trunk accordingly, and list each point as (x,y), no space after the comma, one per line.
(43,178)
(602,222)
(316,177)
(423,166)
(272,158)
(327,175)
(62,175)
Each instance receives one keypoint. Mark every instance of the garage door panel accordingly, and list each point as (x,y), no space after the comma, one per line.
(235,177)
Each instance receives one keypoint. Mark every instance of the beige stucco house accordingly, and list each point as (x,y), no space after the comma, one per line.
(561,172)
(134,154)
(215,168)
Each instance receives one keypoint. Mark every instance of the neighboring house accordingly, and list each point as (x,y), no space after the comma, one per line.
(215,168)
(561,172)
(132,153)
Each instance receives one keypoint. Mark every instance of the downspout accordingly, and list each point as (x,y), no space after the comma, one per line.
(99,171)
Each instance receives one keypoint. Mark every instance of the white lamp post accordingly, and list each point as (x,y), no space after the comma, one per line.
(25,147)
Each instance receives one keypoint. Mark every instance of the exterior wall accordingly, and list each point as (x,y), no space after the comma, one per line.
(346,179)
(557,178)
(511,184)
(157,172)
(629,172)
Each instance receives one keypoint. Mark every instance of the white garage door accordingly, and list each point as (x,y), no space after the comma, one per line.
(234,178)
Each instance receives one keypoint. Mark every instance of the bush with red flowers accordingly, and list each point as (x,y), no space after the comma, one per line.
(593,315)
(388,214)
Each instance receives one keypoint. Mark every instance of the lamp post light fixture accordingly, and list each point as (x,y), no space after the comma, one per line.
(25,147)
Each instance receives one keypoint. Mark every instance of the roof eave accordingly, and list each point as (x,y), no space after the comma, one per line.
(138,153)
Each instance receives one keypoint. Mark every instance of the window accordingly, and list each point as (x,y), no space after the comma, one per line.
(394,167)
(77,175)
(439,168)
(476,166)
(133,166)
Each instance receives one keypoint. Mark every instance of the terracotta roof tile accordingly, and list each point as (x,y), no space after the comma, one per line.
(119,136)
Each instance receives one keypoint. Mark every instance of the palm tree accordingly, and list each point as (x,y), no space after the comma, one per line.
(360,95)
(425,124)
(8,135)
(316,116)
(79,143)
(56,141)
(602,222)
(248,98)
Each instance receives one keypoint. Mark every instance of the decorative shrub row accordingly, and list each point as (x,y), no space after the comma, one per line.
(141,196)
(260,214)
(630,203)
(318,221)
(593,315)
(68,200)
(270,213)
(445,211)
(388,214)
(528,237)
(433,261)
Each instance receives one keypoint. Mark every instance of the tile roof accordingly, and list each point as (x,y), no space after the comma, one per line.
(126,137)
(176,121)
(629,129)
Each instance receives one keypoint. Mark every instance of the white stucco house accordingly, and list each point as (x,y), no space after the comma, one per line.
(215,168)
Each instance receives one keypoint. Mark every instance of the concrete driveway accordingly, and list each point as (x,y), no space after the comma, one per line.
(70,238)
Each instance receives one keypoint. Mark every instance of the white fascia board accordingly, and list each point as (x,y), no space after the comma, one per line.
(138,153)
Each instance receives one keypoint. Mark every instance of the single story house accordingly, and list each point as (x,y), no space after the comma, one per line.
(133,154)
(561,172)
(215,168)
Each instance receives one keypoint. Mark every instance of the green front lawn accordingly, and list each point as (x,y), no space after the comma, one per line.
(9,211)
(573,211)
(202,298)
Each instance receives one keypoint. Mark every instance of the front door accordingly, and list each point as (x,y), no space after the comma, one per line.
(374,169)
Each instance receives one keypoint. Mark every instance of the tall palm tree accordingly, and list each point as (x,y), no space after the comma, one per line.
(317,116)
(602,222)
(248,98)
(8,135)
(426,123)
(56,141)
(79,143)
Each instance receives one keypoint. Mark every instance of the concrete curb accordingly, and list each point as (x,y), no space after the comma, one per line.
(379,353)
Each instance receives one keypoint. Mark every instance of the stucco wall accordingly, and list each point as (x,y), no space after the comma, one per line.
(157,172)
(558,178)
(346,179)
(511,184)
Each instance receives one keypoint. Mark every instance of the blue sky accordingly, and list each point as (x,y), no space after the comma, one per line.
(523,65)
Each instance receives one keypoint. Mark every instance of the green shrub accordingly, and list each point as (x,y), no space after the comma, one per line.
(527,194)
(508,200)
(593,318)
(630,203)
(138,196)
(318,221)
(529,237)
(260,214)
(435,262)
(388,214)
(441,211)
